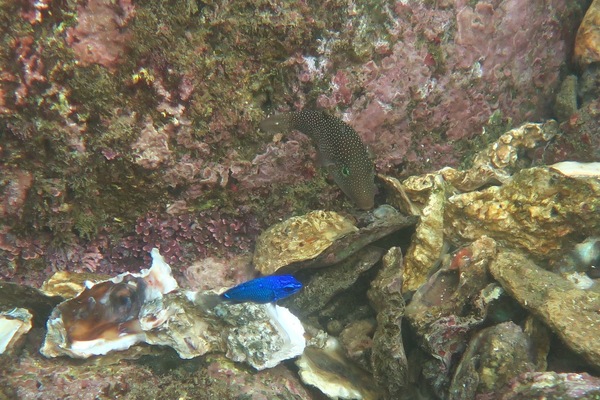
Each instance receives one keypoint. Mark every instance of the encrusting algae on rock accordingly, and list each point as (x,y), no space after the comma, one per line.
(340,149)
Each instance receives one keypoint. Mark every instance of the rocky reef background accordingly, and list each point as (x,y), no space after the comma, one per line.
(127,125)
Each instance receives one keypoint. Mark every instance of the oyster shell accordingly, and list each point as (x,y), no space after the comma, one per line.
(14,324)
(36,302)
(322,238)
(571,312)
(272,331)
(453,302)
(577,169)
(331,372)
(382,225)
(388,358)
(261,335)
(299,238)
(494,356)
(69,284)
(538,209)
(587,41)
(427,246)
(326,283)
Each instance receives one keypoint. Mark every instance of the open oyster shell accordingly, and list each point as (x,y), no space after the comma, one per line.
(14,324)
(105,315)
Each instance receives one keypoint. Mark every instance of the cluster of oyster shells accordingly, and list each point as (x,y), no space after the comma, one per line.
(499,246)
(148,307)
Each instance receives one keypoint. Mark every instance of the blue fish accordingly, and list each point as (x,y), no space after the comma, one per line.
(262,290)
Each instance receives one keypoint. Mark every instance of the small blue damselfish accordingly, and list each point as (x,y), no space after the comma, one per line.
(263,290)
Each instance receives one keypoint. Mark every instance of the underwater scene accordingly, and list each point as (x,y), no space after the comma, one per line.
(269,199)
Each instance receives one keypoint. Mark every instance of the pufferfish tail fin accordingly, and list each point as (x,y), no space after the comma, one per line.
(278,123)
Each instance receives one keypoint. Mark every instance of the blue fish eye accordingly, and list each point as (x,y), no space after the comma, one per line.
(345,171)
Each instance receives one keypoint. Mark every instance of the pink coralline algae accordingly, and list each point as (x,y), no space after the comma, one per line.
(32,68)
(89,256)
(215,273)
(281,162)
(450,69)
(33,10)
(152,147)
(15,247)
(101,36)
(188,237)
(14,186)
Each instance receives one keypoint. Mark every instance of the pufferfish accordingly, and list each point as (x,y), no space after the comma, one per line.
(339,147)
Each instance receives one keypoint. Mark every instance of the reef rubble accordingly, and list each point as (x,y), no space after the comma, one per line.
(115,314)
(431,300)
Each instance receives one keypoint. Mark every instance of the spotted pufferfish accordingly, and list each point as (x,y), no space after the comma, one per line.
(339,148)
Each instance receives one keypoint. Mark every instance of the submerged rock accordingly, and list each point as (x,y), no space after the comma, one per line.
(570,312)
